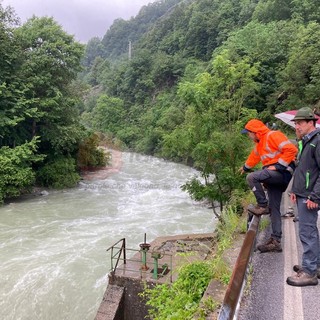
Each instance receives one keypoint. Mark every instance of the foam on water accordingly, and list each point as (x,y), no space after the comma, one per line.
(53,259)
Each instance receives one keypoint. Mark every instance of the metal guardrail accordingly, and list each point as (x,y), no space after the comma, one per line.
(237,281)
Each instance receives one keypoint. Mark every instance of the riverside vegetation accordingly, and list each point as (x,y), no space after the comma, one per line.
(42,140)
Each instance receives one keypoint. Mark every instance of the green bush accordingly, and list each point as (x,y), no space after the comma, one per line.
(180,301)
(16,173)
(89,154)
(59,173)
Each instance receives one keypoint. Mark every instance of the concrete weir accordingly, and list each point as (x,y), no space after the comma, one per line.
(153,263)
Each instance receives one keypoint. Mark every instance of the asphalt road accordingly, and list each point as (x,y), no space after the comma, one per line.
(269,296)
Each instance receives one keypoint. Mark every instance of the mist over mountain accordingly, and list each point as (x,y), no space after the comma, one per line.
(84,19)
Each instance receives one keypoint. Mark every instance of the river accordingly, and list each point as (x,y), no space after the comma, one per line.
(53,259)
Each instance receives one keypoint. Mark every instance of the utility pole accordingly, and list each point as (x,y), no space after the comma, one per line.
(130,48)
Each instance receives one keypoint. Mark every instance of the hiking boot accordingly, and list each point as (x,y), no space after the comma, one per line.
(288,214)
(257,210)
(272,245)
(297,268)
(302,279)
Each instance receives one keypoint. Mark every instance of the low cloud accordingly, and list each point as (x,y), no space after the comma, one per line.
(84,19)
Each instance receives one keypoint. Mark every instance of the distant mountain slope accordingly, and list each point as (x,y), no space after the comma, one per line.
(115,41)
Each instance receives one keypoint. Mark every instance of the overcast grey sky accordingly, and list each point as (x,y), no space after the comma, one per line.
(84,19)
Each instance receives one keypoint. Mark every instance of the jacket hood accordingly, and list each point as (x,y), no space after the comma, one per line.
(258,127)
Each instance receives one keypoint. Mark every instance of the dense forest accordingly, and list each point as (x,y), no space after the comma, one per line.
(177,81)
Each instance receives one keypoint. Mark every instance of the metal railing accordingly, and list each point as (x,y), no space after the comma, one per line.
(117,254)
(142,264)
(237,281)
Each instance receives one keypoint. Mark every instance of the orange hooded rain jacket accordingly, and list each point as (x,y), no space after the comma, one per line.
(273,146)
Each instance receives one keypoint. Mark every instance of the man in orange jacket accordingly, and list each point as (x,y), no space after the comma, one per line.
(277,154)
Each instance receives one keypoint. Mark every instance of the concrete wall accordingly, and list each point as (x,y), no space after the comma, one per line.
(122,301)
(134,305)
(112,305)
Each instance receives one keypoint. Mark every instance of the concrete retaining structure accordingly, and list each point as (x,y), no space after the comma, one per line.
(122,300)
(112,303)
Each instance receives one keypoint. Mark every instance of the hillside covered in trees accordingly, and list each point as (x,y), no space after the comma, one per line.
(196,71)
(177,81)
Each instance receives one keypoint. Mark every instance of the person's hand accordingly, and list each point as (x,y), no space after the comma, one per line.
(241,171)
(272,168)
(311,205)
(293,198)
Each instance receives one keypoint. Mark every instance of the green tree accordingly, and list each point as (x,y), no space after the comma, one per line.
(261,44)
(108,115)
(59,173)
(16,172)
(14,107)
(306,10)
(94,49)
(210,133)
(89,154)
(51,62)
(301,77)
(17,155)
(273,10)
(95,71)
(40,128)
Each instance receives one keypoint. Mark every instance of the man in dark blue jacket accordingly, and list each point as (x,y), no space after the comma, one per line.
(306,193)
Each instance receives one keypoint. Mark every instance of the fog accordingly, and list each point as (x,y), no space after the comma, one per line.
(84,19)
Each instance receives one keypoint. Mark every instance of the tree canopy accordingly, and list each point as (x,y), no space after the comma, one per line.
(39,117)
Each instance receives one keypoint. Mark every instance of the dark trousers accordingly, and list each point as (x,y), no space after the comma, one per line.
(275,185)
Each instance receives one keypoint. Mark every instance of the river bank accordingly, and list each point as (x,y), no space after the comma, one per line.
(104,172)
